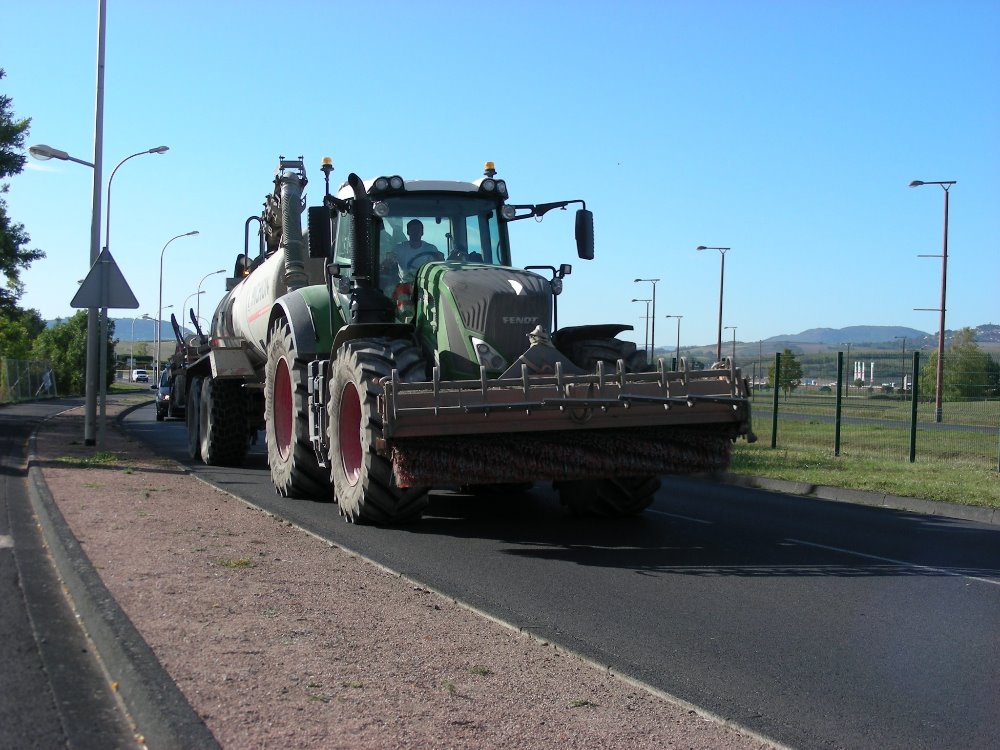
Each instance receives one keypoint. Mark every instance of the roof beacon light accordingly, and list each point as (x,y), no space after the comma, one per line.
(490,169)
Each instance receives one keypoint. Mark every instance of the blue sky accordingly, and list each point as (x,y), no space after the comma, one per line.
(788,131)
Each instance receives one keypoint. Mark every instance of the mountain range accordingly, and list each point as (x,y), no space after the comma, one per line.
(886,337)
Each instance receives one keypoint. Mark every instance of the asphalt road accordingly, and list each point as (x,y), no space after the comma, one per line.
(53,692)
(817,624)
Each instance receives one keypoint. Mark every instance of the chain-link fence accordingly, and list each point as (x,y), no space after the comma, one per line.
(881,405)
(23,380)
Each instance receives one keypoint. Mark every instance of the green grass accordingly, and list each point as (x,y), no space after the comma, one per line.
(930,478)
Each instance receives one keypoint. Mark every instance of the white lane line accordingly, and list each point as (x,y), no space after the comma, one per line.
(903,563)
(683,518)
(6,542)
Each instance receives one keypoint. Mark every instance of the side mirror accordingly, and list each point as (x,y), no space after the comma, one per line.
(320,232)
(585,234)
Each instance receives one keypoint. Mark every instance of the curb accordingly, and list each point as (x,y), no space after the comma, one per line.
(161,713)
(977,514)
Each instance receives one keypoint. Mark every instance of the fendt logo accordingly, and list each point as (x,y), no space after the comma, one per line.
(520,319)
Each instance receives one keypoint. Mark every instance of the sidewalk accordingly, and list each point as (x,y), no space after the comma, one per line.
(261,635)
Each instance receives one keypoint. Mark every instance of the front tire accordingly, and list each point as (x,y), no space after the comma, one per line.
(608,498)
(295,472)
(363,480)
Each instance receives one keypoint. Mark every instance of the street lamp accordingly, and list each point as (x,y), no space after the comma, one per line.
(156,356)
(945,185)
(677,364)
(734,341)
(44,153)
(722,281)
(645,341)
(131,346)
(904,359)
(104,310)
(159,307)
(198,311)
(107,208)
(185,305)
(652,332)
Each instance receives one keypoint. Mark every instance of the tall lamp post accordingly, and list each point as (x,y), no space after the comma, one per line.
(904,359)
(104,310)
(159,306)
(677,364)
(131,346)
(185,305)
(945,185)
(43,153)
(652,331)
(645,342)
(197,313)
(722,282)
(734,340)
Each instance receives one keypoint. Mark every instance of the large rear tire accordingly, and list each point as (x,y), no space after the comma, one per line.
(608,498)
(363,481)
(223,422)
(295,472)
(192,416)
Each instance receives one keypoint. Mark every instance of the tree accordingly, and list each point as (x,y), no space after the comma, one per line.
(18,329)
(64,346)
(790,376)
(14,254)
(968,372)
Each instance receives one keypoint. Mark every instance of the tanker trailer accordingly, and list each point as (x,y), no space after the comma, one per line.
(273,320)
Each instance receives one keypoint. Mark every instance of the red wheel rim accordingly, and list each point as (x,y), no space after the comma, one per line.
(283,409)
(349,428)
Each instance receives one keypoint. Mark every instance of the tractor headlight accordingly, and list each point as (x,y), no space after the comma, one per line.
(556,286)
(508,212)
(488,185)
(502,188)
(488,356)
(396,182)
(382,183)
(380,209)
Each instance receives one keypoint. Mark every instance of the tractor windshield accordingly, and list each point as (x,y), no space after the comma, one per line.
(462,229)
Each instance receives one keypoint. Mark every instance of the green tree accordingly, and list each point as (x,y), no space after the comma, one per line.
(64,346)
(968,372)
(14,253)
(18,329)
(790,376)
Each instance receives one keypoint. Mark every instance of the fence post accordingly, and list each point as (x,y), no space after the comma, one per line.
(914,393)
(836,421)
(774,409)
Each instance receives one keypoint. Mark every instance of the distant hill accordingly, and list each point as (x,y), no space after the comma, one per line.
(854,335)
(145,330)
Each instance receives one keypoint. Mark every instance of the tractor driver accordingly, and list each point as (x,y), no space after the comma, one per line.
(413,253)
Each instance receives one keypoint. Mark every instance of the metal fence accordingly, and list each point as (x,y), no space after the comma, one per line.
(24,380)
(881,405)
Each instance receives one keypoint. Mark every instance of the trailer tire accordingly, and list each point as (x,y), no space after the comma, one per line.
(608,498)
(295,472)
(222,422)
(589,352)
(363,480)
(192,417)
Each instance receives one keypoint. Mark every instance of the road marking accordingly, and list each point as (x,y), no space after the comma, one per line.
(683,518)
(6,542)
(905,564)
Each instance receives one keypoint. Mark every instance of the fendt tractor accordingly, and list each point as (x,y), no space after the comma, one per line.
(393,348)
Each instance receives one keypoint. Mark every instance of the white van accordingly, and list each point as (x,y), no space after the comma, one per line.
(140,376)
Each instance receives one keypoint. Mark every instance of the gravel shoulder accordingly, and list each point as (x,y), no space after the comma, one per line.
(278,639)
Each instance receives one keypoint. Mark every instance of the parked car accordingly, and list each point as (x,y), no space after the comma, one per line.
(140,376)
